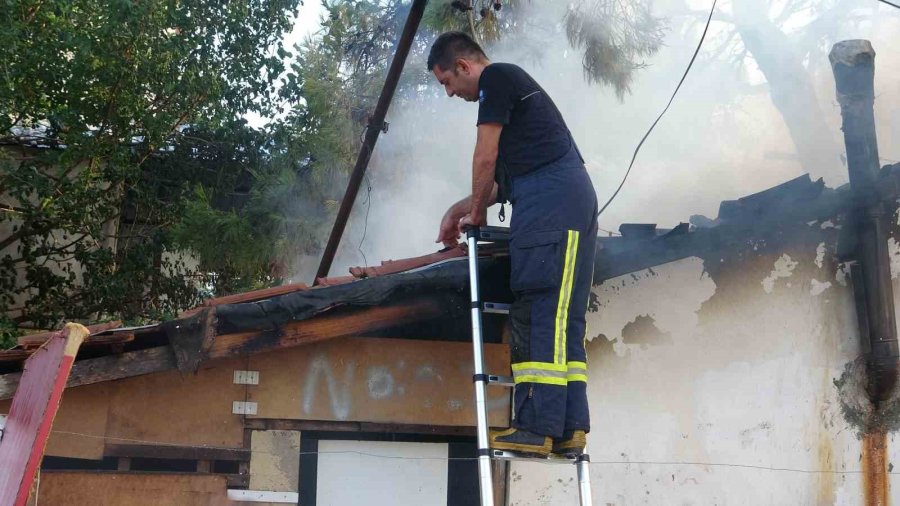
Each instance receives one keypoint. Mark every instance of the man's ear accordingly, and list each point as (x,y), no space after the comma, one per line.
(464,65)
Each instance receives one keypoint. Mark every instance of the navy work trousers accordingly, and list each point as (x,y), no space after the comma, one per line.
(553,239)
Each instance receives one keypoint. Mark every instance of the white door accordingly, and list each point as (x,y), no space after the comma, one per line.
(381,473)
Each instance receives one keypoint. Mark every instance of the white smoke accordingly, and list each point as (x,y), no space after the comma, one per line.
(722,138)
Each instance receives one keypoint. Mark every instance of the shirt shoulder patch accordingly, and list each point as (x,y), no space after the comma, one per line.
(480,96)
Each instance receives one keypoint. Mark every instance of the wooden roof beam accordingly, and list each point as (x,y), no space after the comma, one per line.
(162,358)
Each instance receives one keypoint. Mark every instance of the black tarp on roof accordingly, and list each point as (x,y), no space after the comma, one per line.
(447,276)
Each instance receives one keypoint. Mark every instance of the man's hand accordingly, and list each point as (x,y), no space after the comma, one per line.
(472,220)
(448,233)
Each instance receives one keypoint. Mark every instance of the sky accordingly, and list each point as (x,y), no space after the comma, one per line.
(306,22)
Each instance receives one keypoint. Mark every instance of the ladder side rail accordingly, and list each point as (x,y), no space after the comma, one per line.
(484,459)
(584,480)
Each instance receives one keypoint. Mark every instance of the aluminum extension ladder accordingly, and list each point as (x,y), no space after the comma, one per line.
(481,380)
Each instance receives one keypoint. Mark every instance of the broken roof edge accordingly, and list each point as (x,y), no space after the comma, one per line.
(797,201)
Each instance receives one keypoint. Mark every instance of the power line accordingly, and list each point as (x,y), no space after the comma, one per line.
(688,69)
(890,3)
(366,222)
(610,232)
(402,457)
(368,206)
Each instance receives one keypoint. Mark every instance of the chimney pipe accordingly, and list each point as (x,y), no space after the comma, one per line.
(853,65)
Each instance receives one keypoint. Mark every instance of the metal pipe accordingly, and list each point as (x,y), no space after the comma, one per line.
(853,65)
(375,126)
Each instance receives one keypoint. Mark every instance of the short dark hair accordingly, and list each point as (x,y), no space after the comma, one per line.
(450,46)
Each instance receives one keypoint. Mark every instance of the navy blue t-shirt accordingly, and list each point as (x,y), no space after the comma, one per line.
(534,132)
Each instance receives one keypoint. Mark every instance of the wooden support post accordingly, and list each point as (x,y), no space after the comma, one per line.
(247,443)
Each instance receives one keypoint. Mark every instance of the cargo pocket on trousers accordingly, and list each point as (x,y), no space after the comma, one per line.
(536,260)
(525,408)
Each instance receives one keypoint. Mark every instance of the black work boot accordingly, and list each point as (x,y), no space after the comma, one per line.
(571,444)
(518,440)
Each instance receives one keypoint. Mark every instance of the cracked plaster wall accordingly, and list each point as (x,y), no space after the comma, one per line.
(746,376)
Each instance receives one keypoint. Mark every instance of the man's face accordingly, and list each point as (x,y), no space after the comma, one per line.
(459,81)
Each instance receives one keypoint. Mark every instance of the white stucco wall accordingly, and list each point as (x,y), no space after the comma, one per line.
(701,367)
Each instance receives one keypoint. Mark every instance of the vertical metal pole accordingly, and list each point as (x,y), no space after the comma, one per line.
(484,458)
(376,124)
(584,480)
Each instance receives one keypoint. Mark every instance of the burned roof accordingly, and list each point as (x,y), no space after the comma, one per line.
(427,298)
(776,215)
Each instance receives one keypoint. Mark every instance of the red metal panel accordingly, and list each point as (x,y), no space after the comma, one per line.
(31,415)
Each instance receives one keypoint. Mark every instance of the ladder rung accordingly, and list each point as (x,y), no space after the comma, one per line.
(493,234)
(552,459)
(503,381)
(495,308)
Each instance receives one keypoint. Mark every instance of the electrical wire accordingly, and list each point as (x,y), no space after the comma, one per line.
(368,205)
(896,6)
(366,221)
(401,457)
(610,232)
(688,69)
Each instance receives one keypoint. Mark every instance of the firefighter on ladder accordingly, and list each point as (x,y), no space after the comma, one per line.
(525,154)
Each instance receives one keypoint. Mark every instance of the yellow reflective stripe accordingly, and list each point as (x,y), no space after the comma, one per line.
(540,373)
(565,296)
(569,297)
(543,366)
(561,317)
(554,374)
(577,371)
(559,302)
(540,379)
(587,302)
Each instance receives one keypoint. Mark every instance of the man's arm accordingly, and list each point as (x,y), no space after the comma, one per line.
(484,164)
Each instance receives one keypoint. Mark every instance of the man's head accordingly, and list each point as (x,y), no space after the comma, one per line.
(457,61)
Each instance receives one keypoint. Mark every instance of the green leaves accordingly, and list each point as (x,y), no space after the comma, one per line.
(614,37)
(96,97)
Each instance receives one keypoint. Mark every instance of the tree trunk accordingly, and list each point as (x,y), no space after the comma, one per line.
(791,89)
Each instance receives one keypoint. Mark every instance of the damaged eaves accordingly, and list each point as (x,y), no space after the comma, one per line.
(778,216)
(425,303)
